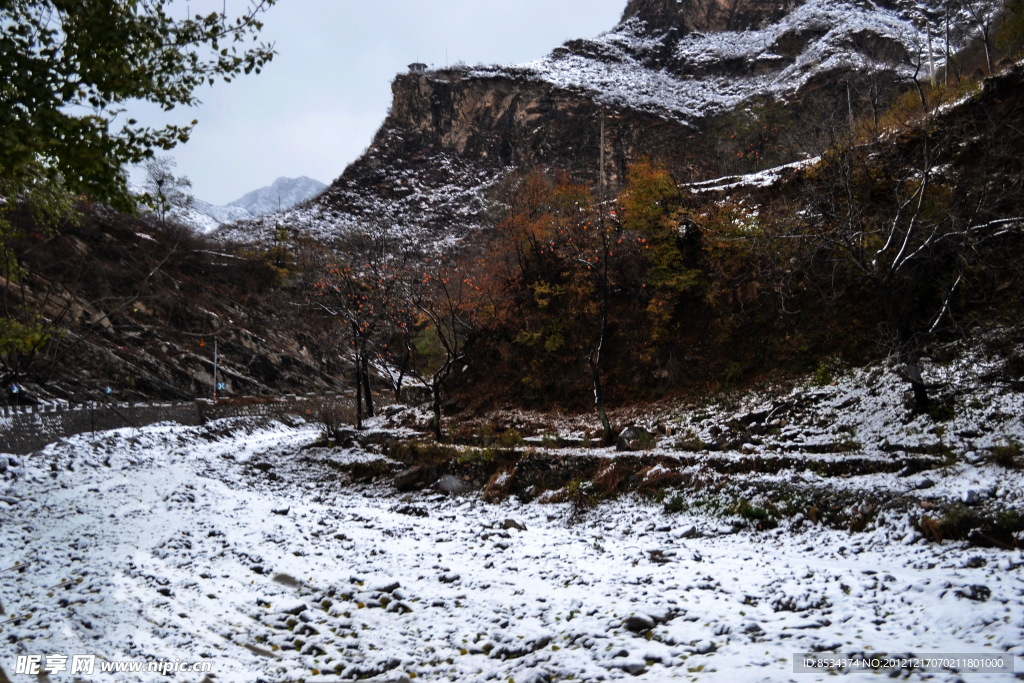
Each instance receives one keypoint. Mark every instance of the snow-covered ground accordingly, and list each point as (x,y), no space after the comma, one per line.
(236,545)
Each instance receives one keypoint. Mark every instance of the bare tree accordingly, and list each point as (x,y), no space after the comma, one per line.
(444,297)
(887,219)
(365,291)
(165,191)
(983,15)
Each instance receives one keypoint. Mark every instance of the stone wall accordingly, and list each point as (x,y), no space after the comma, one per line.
(24,429)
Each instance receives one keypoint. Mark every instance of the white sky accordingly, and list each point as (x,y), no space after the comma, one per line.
(317,105)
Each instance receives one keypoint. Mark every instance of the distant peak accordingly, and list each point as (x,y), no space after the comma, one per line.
(282,194)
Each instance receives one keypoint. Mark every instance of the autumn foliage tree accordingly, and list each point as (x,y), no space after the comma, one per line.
(367,294)
(446,296)
(567,276)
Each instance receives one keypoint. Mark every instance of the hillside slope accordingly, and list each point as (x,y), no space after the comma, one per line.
(136,308)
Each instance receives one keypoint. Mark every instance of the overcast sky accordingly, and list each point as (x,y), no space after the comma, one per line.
(316,107)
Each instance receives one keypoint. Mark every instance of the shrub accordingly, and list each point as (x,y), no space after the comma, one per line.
(761,518)
(335,418)
(1008,455)
(510,438)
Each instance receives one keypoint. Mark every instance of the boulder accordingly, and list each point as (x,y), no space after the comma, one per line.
(634,438)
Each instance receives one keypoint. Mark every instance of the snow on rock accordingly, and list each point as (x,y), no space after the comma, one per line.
(711,72)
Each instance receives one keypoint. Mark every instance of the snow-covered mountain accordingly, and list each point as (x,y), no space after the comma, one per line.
(663,80)
(283,194)
(204,216)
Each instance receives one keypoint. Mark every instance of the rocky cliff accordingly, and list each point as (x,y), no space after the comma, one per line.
(662,80)
(705,15)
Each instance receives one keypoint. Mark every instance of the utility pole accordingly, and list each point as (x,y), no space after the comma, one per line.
(601,179)
(215,361)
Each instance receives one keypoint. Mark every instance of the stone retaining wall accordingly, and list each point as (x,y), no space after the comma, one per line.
(24,429)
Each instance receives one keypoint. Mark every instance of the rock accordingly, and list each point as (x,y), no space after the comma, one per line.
(663,615)
(412,511)
(976,593)
(639,623)
(295,607)
(450,577)
(704,647)
(286,580)
(415,478)
(292,420)
(282,511)
(634,439)
(453,485)
(499,486)
(516,648)
(974,496)
(399,607)
(512,524)
(925,483)
(386,587)
(686,532)
(632,667)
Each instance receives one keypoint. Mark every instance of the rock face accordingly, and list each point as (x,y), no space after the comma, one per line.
(662,79)
(504,121)
(704,15)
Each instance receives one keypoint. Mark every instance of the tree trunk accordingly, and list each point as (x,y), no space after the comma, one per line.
(602,413)
(359,397)
(359,379)
(435,391)
(398,386)
(913,371)
(367,396)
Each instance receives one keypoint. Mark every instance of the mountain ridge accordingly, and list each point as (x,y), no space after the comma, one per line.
(284,193)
